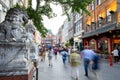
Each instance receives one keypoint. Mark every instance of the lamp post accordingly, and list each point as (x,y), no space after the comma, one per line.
(36,66)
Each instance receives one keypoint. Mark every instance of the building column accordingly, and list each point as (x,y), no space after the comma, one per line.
(109,45)
(96,46)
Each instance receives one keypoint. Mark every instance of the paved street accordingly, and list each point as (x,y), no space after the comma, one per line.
(62,72)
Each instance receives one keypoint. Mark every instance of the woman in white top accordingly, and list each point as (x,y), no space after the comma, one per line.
(116,55)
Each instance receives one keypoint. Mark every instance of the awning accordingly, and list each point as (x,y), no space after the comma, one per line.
(113,6)
(102,14)
(89,21)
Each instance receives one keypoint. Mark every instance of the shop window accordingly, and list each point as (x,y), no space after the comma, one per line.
(103,45)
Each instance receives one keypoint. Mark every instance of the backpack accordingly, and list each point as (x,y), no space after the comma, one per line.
(64,55)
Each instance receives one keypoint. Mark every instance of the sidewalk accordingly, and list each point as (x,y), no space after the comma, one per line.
(62,72)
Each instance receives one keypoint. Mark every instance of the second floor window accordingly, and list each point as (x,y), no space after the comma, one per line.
(87,28)
(99,22)
(78,26)
(93,26)
(98,2)
(109,17)
(92,6)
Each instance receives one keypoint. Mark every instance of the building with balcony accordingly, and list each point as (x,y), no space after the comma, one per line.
(102,28)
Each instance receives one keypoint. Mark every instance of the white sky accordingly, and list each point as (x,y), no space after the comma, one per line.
(54,23)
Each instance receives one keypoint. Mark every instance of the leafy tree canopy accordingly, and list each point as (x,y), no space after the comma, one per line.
(45,10)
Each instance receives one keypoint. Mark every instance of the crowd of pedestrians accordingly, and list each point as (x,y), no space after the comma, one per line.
(71,56)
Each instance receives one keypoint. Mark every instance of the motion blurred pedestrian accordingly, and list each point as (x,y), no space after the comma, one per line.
(75,62)
(95,65)
(64,54)
(50,56)
(43,54)
(56,50)
(87,56)
(69,52)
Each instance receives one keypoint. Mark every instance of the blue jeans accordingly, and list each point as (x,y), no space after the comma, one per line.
(64,60)
(86,65)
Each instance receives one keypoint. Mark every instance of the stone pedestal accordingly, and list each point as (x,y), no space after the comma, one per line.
(28,76)
(14,62)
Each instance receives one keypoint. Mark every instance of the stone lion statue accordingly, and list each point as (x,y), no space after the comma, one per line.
(11,29)
(16,41)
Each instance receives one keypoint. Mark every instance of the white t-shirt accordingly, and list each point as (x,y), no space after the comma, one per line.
(115,52)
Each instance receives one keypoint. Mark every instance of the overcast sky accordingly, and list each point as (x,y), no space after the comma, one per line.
(54,23)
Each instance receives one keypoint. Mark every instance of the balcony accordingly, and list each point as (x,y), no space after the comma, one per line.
(105,28)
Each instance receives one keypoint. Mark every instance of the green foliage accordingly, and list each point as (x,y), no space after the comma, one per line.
(71,41)
(74,5)
(67,44)
(37,19)
(46,10)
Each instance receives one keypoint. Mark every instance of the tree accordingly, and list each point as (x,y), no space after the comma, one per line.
(45,10)
(71,41)
(67,44)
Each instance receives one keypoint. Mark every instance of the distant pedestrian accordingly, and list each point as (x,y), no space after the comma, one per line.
(119,51)
(87,55)
(43,54)
(75,62)
(69,52)
(64,54)
(116,55)
(56,50)
(50,56)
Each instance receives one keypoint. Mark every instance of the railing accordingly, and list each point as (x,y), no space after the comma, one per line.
(105,28)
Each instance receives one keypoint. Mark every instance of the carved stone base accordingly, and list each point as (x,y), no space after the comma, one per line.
(28,76)
(14,62)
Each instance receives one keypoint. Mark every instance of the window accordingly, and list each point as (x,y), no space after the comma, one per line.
(87,28)
(93,25)
(98,2)
(92,6)
(77,16)
(109,17)
(78,26)
(99,22)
